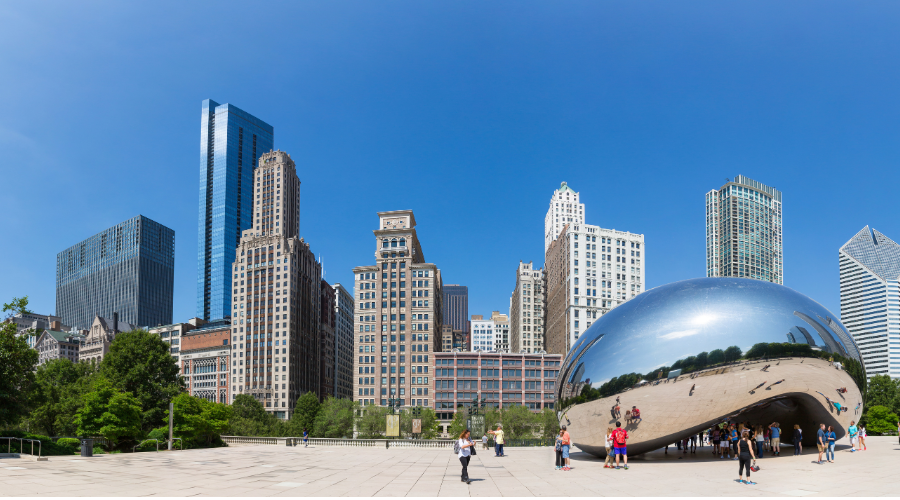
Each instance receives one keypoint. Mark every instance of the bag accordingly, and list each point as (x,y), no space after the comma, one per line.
(472,451)
(754,467)
(456,447)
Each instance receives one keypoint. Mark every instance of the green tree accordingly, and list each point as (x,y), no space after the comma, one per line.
(58,390)
(460,422)
(431,426)
(109,413)
(372,423)
(880,420)
(139,362)
(884,391)
(199,421)
(716,356)
(518,422)
(732,353)
(335,418)
(549,423)
(17,361)
(249,418)
(305,412)
(702,360)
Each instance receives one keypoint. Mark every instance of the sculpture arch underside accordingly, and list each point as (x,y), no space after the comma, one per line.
(671,411)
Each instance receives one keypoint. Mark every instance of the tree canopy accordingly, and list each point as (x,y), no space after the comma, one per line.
(17,361)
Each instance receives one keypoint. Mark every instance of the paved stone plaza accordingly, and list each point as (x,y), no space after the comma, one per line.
(334,471)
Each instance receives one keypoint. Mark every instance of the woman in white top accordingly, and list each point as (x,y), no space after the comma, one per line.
(609,448)
(862,437)
(465,443)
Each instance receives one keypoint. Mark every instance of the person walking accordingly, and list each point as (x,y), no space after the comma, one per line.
(797,438)
(559,459)
(620,436)
(715,440)
(484,442)
(607,464)
(745,457)
(830,437)
(566,443)
(776,438)
(862,438)
(735,437)
(821,441)
(854,435)
(498,440)
(465,451)
(760,441)
(305,438)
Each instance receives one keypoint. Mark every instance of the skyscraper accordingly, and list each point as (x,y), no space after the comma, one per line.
(456,307)
(277,296)
(870,299)
(343,342)
(127,269)
(231,141)
(743,231)
(398,304)
(526,310)
(588,270)
(564,209)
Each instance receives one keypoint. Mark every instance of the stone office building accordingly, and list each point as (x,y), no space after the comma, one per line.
(343,342)
(100,337)
(205,361)
(399,310)
(276,295)
(57,344)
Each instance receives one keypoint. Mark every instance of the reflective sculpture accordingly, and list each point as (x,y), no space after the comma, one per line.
(695,353)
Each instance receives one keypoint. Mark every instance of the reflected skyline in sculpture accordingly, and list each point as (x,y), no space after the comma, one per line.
(716,334)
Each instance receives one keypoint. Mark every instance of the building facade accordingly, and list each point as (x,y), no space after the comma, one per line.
(100,337)
(526,310)
(128,268)
(343,342)
(205,361)
(399,309)
(482,334)
(327,323)
(172,335)
(276,292)
(588,271)
(502,379)
(26,323)
(231,141)
(743,231)
(870,300)
(565,208)
(455,310)
(57,344)
(501,331)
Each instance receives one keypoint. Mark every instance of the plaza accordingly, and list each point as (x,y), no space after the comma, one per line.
(276,471)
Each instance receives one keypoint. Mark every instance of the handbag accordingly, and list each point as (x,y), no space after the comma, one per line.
(754,467)
(472,450)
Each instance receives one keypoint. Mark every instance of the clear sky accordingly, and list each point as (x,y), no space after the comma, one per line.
(470,113)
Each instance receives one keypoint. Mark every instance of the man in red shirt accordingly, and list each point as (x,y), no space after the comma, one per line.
(635,414)
(619,436)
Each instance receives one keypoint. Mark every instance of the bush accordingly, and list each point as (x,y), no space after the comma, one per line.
(71,444)
(48,447)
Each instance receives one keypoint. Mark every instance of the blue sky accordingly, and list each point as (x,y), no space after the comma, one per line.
(468,112)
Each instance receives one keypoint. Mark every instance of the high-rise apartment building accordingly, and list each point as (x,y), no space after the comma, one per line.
(327,325)
(128,268)
(276,289)
(564,209)
(501,331)
(456,307)
(526,310)
(743,231)
(870,299)
(231,141)
(343,342)
(482,334)
(398,303)
(588,270)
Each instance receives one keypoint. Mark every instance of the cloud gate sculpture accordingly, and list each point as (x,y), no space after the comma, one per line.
(695,353)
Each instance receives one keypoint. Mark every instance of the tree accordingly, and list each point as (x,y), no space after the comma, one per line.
(702,359)
(884,391)
(880,420)
(431,426)
(305,412)
(139,362)
(17,361)
(518,422)
(716,356)
(335,418)
(249,418)
(460,422)
(372,423)
(109,413)
(732,353)
(58,391)
(199,421)
(549,423)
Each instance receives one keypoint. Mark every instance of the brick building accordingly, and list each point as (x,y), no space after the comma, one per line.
(206,360)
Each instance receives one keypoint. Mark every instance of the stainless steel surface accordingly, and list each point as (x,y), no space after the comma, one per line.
(633,353)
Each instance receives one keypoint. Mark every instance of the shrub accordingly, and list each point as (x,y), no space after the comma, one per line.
(71,444)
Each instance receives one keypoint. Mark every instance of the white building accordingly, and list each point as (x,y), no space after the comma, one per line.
(501,331)
(870,299)
(526,310)
(482,333)
(588,270)
(564,209)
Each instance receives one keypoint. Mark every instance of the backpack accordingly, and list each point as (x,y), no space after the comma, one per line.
(456,447)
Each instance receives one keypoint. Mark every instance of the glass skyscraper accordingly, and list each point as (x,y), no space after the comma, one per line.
(231,142)
(456,307)
(870,299)
(743,231)
(128,268)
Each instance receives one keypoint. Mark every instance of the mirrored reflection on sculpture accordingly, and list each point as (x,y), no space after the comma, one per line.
(696,353)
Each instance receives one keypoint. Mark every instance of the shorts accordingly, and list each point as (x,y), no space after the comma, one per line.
(821,447)
(565,451)
(776,441)
(853,440)
(716,442)
(619,450)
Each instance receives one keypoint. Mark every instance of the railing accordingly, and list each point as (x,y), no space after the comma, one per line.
(97,440)
(524,442)
(135,447)
(356,443)
(22,446)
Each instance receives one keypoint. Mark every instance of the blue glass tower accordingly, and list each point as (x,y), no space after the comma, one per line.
(128,268)
(231,141)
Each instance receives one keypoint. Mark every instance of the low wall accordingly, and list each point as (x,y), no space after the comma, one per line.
(357,443)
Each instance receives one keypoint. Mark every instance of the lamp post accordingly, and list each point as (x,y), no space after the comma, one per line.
(416,413)
(394,403)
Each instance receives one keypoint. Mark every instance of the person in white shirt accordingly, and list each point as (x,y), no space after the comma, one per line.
(465,444)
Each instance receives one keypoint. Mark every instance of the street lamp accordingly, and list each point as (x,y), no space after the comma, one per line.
(394,403)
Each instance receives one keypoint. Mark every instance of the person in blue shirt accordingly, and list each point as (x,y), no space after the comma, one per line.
(776,438)
(831,437)
(821,441)
(854,435)
(305,438)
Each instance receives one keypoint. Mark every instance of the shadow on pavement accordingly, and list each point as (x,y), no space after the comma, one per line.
(702,455)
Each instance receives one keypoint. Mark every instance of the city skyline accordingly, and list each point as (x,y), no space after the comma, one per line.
(699,136)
